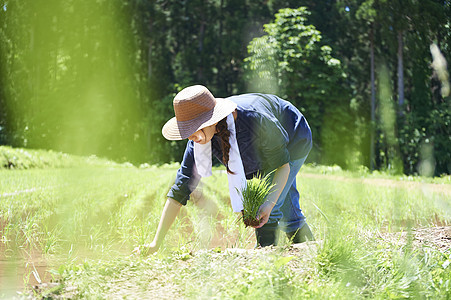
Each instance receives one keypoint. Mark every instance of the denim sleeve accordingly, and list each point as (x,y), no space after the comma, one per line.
(273,144)
(186,180)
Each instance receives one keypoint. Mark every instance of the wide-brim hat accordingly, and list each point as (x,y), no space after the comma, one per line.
(195,108)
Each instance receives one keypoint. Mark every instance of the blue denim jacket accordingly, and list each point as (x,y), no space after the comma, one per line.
(270,132)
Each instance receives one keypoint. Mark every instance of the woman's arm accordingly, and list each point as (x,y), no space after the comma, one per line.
(279,181)
(170,212)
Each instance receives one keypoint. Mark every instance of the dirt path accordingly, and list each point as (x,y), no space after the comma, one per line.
(435,237)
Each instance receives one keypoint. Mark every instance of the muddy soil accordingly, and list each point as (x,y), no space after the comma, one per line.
(249,222)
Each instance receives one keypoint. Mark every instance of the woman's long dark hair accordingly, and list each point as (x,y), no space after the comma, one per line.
(222,131)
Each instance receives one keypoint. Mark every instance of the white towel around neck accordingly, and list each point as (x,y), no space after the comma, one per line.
(237,181)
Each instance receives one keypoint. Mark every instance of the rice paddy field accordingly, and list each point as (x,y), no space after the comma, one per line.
(68,226)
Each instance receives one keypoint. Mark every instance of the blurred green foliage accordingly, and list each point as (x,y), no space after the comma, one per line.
(98,77)
(299,67)
(424,117)
(70,74)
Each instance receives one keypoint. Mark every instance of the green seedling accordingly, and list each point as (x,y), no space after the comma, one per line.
(254,195)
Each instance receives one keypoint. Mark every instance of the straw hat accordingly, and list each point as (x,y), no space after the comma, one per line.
(195,108)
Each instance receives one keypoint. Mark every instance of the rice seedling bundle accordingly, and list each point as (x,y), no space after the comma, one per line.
(253,196)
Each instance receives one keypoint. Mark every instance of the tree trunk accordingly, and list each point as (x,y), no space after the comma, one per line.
(373,98)
(400,73)
(149,52)
(221,83)
(200,67)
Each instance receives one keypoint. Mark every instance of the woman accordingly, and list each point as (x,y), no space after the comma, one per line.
(250,134)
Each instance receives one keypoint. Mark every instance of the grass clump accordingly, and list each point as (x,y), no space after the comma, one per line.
(254,195)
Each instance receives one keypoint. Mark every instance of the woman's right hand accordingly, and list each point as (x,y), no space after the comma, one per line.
(170,211)
(146,249)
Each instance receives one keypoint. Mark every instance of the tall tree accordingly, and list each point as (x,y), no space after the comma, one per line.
(368,14)
(292,62)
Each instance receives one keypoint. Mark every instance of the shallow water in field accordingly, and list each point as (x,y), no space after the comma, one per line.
(19,273)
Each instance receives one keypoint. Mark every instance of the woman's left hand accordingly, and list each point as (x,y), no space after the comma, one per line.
(263,213)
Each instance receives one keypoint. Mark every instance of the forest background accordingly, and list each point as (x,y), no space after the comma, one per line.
(98,77)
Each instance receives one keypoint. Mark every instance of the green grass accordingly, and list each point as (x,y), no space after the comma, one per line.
(83,220)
